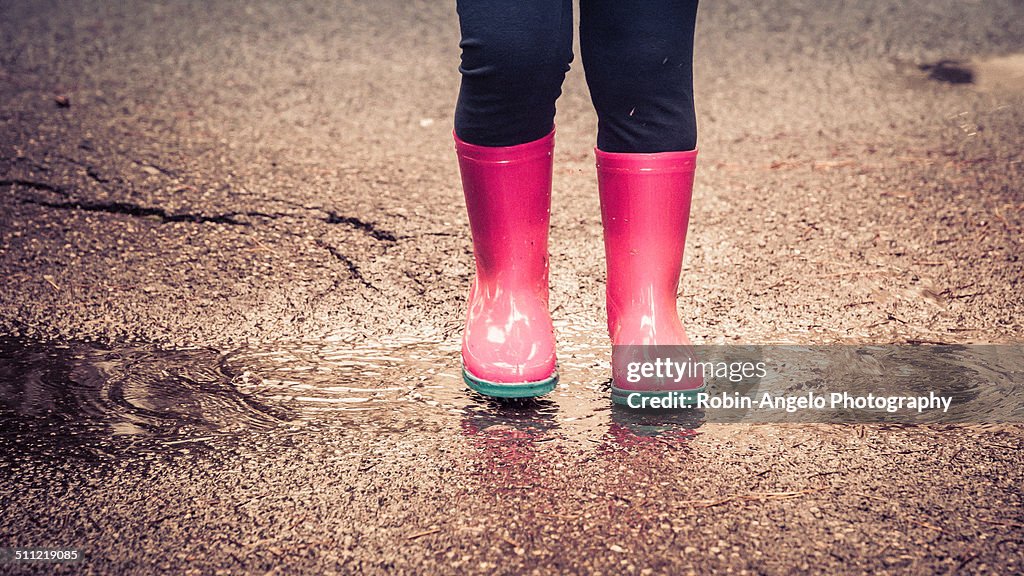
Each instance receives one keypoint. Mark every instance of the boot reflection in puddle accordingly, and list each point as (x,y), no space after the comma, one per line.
(630,428)
(505,432)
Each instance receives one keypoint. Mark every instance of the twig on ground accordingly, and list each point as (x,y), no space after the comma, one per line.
(753,497)
(853,273)
(926,525)
(869,496)
(423,533)
(1002,523)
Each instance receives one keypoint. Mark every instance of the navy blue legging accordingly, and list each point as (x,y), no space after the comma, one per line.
(637,56)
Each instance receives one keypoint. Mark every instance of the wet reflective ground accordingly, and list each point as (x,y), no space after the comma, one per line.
(352,455)
(98,399)
(215,173)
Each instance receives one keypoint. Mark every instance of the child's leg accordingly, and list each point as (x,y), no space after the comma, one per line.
(638,61)
(638,58)
(515,54)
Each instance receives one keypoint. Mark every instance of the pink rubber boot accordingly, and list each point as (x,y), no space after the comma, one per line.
(508,346)
(645,209)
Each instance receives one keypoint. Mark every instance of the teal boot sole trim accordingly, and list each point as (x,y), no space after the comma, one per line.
(510,389)
(641,398)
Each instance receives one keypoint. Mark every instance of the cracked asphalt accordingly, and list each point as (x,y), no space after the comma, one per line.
(187,180)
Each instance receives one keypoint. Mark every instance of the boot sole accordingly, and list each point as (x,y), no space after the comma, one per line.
(621,396)
(510,389)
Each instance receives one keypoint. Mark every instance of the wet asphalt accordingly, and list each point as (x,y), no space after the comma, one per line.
(215,215)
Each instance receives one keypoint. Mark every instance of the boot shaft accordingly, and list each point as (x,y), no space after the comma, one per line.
(508,344)
(645,211)
(508,199)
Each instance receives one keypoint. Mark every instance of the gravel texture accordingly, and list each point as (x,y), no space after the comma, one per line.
(225,174)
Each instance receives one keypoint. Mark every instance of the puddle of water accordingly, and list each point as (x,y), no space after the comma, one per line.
(411,384)
(100,399)
(981,382)
(54,395)
(90,397)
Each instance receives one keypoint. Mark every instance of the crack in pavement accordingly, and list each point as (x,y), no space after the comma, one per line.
(129,209)
(332,217)
(228,218)
(135,210)
(352,268)
(90,170)
(368,227)
(34,185)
